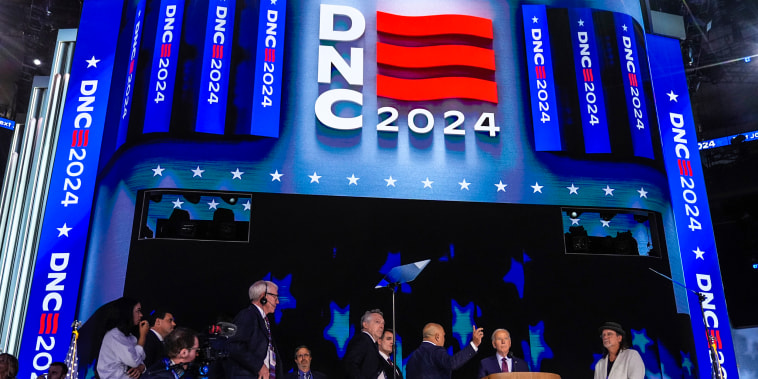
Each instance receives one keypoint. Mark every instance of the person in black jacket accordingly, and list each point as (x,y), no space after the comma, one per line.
(303,358)
(503,360)
(181,345)
(431,360)
(362,359)
(252,350)
(161,324)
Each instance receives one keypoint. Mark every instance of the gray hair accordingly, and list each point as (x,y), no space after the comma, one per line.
(500,330)
(368,314)
(259,289)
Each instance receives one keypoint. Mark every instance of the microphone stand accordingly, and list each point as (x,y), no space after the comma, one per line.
(393,288)
(715,364)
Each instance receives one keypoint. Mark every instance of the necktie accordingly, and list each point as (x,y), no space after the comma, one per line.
(505,365)
(272,362)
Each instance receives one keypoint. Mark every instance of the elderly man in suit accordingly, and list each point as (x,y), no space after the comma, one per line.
(503,360)
(252,351)
(431,360)
(362,359)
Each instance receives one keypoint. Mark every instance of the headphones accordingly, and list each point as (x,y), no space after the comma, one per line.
(263,300)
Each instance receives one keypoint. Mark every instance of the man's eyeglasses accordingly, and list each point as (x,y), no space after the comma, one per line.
(302,355)
(276,296)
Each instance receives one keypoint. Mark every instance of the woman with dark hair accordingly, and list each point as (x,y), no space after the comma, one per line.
(121,354)
(8,366)
(619,361)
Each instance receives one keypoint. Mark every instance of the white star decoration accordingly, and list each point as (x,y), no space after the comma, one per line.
(63,230)
(581,22)
(352,180)
(237,174)
(608,190)
(606,224)
(247,206)
(197,172)
(276,176)
(273,2)
(535,19)
(92,62)
(464,184)
(573,189)
(390,181)
(178,203)
(500,186)
(158,171)
(642,192)
(315,177)
(213,204)
(672,96)
(624,27)
(574,221)
(427,183)
(699,253)
(537,187)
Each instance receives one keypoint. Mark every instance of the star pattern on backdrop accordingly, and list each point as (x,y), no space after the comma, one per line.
(606,224)
(390,181)
(581,22)
(575,221)
(213,204)
(246,206)
(642,192)
(427,183)
(315,177)
(177,203)
(92,62)
(464,184)
(197,172)
(500,186)
(63,230)
(640,340)
(699,253)
(352,180)
(573,189)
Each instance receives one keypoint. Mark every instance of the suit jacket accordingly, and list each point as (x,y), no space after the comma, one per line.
(490,365)
(362,359)
(432,362)
(314,375)
(155,350)
(249,346)
(161,370)
(388,368)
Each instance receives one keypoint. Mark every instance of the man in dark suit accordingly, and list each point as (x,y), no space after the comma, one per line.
(303,358)
(362,360)
(503,360)
(161,324)
(181,346)
(252,351)
(386,344)
(431,361)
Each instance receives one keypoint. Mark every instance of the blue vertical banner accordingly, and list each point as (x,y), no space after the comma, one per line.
(58,267)
(634,90)
(160,90)
(217,57)
(589,82)
(547,130)
(690,205)
(126,104)
(267,91)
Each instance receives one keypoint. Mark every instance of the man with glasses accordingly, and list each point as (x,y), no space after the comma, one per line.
(181,345)
(252,351)
(303,359)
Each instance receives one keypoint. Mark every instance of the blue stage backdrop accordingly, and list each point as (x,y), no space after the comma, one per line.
(320,143)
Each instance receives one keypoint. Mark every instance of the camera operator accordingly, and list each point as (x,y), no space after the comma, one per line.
(181,345)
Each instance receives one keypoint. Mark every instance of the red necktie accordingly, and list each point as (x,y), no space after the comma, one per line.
(505,365)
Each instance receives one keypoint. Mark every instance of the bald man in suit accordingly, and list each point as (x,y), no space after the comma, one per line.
(431,360)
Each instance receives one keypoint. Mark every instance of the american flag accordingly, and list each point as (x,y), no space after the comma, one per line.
(72,359)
